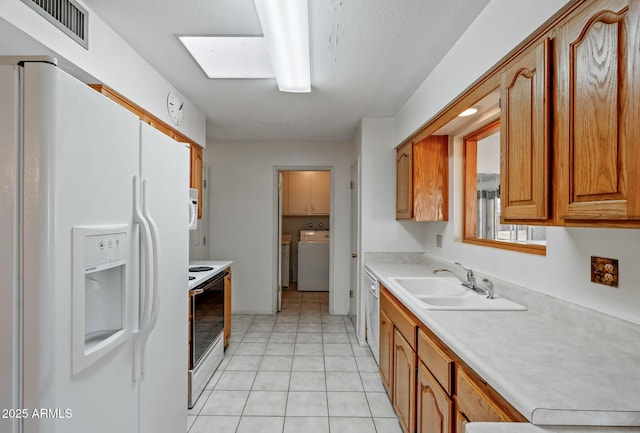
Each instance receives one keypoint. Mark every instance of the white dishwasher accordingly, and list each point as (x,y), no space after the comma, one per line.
(372,313)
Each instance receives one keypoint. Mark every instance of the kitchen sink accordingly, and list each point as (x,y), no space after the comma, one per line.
(470,302)
(443,293)
(431,286)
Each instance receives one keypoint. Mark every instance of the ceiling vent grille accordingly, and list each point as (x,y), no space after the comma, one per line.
(67,15)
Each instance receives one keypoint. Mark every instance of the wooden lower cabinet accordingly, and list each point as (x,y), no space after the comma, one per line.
(434,407)
(404,382)
(480,403)
(386,352)
(227,307)
(431,389)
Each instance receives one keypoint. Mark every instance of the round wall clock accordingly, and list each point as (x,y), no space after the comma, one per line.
(175,107)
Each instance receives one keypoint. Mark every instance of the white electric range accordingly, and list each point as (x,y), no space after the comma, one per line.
(206,322)
(198,277)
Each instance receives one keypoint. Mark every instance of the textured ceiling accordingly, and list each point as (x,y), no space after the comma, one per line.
(367,58)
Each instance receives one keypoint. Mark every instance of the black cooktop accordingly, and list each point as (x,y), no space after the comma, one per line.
(200,268)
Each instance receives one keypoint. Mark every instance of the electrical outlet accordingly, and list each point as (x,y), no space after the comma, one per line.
(439,241)
(604,271)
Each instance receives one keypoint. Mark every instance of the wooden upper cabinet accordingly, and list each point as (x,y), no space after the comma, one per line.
(196,174)
(597,128)
(422,179)
(404,181)
(307,193)
(525,136)
(320,192)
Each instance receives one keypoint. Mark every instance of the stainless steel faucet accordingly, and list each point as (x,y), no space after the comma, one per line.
(471,279)
(489,289)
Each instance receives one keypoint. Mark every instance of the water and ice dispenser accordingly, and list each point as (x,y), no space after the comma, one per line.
(99,287)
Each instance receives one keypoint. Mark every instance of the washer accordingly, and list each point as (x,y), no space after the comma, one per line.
(313,261)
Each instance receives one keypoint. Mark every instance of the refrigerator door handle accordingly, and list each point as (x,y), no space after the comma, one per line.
(154,296)
(145,295)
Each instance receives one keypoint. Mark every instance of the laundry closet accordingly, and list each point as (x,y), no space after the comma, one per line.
(305,222)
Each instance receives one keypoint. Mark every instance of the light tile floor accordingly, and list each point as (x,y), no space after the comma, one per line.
(300,371)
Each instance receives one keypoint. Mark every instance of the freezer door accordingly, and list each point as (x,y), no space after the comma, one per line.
(81,152)
(165,178)
(9,230)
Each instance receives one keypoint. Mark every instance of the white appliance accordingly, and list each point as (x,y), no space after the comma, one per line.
(93,323)
(286,260)
(206,324)
(193,209)
(313,261)
(372,313)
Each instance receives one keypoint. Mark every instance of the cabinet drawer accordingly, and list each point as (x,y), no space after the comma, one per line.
(405,323)
(438,363)
(479,402)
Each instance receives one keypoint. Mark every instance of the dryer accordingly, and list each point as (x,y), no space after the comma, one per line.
(313,261)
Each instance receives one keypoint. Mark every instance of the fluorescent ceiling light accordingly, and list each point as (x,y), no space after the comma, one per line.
(285,25)
(468,112)
(230,56)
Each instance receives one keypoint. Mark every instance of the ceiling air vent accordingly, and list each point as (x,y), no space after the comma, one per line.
(67,15)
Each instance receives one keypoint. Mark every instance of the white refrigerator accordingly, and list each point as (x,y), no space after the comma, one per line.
(94,261)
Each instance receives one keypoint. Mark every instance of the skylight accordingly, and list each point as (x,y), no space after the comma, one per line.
(230,56)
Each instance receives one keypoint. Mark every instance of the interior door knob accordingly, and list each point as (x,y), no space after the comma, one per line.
(354,255)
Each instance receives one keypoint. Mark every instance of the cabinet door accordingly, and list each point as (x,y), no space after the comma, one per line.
(284,192)
(461,422)
(196,174)
(386,352)
(227,307)
(598,133)
(299,184)
(430,186)
(320,192)
(404,181)
(524,137)
(434,407)
(404,382)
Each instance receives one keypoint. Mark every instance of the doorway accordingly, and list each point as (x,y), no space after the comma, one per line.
(303,232)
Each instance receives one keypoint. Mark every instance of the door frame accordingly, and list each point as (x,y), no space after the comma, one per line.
(357,303)
(276,249)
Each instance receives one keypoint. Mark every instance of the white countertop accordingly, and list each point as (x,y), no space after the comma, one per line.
(514,427)
(556,363)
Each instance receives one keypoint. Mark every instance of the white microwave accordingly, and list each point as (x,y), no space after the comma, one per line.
(193,208)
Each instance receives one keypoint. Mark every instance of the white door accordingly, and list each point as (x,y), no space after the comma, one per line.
(163,388)
(80,156)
